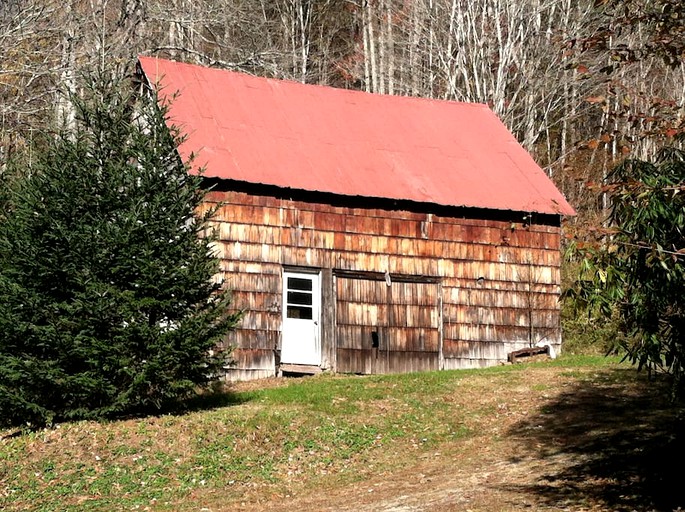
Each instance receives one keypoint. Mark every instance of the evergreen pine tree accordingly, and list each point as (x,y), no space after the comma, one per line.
(107,300)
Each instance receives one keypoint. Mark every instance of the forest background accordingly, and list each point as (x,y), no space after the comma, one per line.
(581,84)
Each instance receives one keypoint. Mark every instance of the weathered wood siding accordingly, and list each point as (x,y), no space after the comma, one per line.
(386,328)
(463,292)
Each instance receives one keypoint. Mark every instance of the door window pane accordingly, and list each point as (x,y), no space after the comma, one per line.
(296,283)
(301,312)
(300,298)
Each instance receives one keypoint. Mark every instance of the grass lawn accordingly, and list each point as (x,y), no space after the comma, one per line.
(573,433)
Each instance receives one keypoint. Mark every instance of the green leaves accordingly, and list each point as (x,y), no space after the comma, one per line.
(636,272)
(107,304)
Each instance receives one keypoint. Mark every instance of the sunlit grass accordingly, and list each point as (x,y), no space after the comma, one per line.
(269,441)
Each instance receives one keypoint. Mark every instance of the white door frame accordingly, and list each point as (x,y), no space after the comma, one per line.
(301,328)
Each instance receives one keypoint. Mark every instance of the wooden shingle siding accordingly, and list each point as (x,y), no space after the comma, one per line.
(370,361)
(463,291)
(395,324)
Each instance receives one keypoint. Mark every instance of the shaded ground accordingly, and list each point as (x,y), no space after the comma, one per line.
(586,441)
(622,447)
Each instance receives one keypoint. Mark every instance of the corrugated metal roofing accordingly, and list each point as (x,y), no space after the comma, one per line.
(352,143)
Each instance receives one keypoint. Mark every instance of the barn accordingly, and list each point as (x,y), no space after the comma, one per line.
(365,233)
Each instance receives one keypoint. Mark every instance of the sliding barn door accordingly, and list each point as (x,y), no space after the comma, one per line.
(387,328)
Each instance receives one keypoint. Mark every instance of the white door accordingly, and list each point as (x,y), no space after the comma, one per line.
(301,342)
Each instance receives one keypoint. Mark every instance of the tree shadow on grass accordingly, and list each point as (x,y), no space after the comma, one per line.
(207,400)
(216,397)
(613,441)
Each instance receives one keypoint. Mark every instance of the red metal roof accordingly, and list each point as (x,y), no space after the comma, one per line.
(352,143)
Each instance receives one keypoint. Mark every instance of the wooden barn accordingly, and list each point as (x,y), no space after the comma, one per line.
(364,233)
